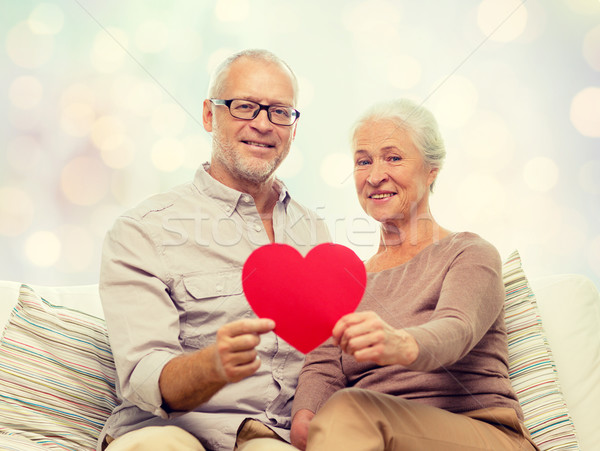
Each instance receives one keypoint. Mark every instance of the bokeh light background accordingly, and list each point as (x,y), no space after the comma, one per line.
(101,107)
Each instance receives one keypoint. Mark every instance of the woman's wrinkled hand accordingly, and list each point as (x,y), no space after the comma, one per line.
(368,338)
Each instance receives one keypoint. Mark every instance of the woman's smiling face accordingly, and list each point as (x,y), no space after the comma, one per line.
(392,180)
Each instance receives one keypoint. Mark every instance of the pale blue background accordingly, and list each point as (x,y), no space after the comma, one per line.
(101,107)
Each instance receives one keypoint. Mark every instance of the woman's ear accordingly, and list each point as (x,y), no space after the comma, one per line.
(433,173)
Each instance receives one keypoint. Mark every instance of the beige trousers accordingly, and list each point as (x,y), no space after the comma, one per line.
(363,420)
(172,438)
(155,438)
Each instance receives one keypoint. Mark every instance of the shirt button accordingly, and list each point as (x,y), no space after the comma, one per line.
(219,287)
(228,208)
(257,227)
(246,198)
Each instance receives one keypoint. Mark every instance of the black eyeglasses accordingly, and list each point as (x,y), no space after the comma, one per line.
(248,110)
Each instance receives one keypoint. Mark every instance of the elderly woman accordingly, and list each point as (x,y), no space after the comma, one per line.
(422,363)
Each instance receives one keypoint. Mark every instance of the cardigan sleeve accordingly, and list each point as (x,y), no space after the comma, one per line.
(320,377)
(471,299)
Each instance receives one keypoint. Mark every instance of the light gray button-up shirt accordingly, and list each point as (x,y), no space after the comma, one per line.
(170,278)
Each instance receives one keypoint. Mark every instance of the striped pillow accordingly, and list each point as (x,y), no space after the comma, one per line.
(57,375)
(531,366)
(15,443)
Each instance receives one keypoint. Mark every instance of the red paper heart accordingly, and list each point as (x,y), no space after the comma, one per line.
(304,296)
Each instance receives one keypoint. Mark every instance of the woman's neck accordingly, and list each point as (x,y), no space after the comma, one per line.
(397,245)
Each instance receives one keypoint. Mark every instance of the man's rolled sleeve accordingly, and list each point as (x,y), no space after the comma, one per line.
(145,391)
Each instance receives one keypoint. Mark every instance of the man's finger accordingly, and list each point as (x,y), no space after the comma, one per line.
(248,326)
(239,372)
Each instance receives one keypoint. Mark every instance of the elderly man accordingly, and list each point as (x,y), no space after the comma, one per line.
(196,369)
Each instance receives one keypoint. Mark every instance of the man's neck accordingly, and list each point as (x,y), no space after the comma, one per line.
(265,194)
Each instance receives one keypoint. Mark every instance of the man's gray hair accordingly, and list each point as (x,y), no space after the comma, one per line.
(219,76)
(417,121)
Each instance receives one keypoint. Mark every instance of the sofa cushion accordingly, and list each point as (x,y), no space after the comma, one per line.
(531,365)
(56,374)
(569,305)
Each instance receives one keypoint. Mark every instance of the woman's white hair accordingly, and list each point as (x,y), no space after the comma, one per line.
(219,76)
(417,121)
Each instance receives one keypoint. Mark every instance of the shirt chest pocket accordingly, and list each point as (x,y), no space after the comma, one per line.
(210,301)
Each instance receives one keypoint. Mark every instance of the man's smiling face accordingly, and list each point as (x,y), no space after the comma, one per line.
(250,150)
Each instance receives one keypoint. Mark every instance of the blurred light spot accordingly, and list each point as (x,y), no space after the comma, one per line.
(585,112)
(84,181)
(337,169)
(120,156)
(77,119)
(27,49)
(46,18)
(168,155)
(404,71)
(591,48)
(168,119)
(455,101)
(143,97)
(292,164)
(185,45)
(584,6)
(16,211)
(487,137)
(43,248)
(232,10)
(589,179)
(151,36)
(77,247)
(540,174)
(25,92)
(502,20)
(593,254)
(23,153)
(107,133)
(372,16)
(481,198)
(108,50)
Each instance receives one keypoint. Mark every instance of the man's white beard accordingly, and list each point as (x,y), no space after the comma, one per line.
(254,171)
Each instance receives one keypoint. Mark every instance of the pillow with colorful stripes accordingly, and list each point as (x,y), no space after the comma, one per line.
(9,442)
(57,375)
(531,366)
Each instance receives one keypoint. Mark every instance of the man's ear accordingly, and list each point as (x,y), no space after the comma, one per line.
(207,115)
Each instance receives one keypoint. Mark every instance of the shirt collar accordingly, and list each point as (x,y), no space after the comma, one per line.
(227,198)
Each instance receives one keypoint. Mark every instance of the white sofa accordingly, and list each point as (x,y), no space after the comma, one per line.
(56,374)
